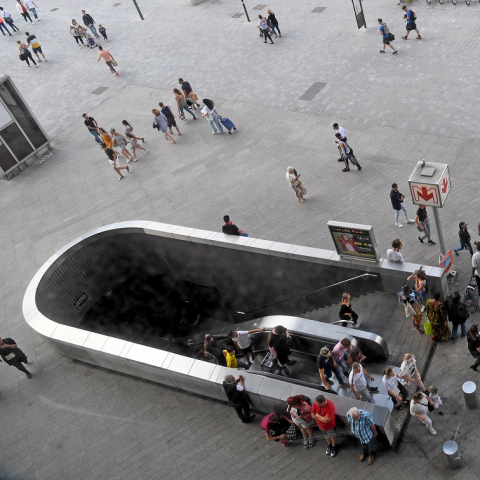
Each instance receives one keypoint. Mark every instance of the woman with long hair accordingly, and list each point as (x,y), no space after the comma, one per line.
(346,312)
(294,178)
(273,22)
(182,104)
(210,113)
(420,278)
(121,142)
(301,413)
(437,315)
(106,137)
(129,130)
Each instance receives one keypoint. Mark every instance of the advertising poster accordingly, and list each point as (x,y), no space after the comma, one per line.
(353,240)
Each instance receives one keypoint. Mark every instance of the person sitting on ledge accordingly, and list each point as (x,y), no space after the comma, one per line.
(231,229)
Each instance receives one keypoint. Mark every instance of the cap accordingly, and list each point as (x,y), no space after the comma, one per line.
(324,351)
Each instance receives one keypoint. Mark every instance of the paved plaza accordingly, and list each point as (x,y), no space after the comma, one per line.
(71,421)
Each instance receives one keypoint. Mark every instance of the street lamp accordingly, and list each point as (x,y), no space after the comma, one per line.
(244,7)
(138,9)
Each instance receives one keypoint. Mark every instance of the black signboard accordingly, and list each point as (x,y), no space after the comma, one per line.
(80,301)
(353,240)
(358,9)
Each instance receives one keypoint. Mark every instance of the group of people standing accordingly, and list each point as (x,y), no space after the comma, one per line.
(268,25)
(24,7)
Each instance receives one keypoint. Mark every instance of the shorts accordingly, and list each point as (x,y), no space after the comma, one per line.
(330,433)
(304,424)
(386,41)
(37,49)
(114,163)
(246,350)
(171,122)
(411,26)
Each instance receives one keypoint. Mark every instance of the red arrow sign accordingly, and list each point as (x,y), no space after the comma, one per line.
(424,194)
(444,185)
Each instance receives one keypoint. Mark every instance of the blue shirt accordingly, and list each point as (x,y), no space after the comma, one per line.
(410,16)
(361,428)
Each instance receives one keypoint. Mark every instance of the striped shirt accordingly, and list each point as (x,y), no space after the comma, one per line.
(361,427)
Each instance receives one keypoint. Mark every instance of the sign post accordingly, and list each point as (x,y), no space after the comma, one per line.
(429,186)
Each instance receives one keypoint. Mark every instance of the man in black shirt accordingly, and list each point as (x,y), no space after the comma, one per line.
(423,224)
(89,22)
(327,366)
(188,91)
(13,356)
(235,391)
(113,159)
(92,126)
(170,117)
(230,229)
(397,203)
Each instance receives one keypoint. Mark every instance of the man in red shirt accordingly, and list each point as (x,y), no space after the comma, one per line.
(323,411)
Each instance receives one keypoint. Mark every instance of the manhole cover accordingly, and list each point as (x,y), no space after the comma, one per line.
(99,90)
(53,9)
(237,15)
(259,7)
(313,91)
(318,9)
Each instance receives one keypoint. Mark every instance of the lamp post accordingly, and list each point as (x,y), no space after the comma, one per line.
(244,7)
(138,9)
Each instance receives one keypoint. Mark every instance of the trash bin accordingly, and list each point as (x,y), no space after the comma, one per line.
(450,449)
(469,392)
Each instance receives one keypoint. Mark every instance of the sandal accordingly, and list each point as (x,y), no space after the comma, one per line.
(398,407)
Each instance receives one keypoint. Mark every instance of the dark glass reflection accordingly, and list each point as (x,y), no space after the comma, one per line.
(16,141)
(7,160)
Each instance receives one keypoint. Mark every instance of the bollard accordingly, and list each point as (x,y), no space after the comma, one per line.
(469,389)
(450,449)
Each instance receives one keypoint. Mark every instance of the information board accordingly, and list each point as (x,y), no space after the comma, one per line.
(353,240)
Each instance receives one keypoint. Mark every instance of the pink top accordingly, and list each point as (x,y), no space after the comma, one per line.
(339,351)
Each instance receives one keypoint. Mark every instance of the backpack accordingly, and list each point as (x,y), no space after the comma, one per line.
(413,15)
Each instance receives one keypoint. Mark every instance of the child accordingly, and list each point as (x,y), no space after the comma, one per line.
(90,41)
(135,145)
(435,398)
(103,31)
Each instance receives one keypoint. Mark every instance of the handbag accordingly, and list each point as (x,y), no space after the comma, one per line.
(114,63)
(291,433)
(427,326)
(391,37)
(10,356)
(269,363)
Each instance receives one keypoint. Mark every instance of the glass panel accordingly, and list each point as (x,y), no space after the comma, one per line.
(4,116)
(6,159)
(22,115)
(16,141)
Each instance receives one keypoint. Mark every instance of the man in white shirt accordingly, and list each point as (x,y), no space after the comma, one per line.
(32,7)
(8,19)
(393,253)
(358,383)
(338,129)
(243,342)
(476,264)
(419,409)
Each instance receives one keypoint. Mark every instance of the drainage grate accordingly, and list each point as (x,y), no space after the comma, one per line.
(318,9)
(237,15)
(259,7)
(99,90)
(53,9)
(313,91)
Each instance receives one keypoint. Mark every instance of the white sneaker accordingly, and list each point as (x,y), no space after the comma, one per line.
(146,151)
(432,431)
(214,133)
(423,309)
(410,221)
(399,225)
(129,160)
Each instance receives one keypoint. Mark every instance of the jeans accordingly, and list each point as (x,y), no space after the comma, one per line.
(243,412)
(462,246)
(336,372)
(367,448)
(463,330)
(426,229)
(3,26)
(93,29)
(275,26)
(397,212)
(96,135)
(422,295)
(244,234)
(215,121)
(34,13)
(187,109)
(342,362)
(110,66)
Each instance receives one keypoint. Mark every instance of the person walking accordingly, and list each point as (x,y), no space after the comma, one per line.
(437,315)
(107,139)
(346,311)
(473,341)
(106,55)
(210,113)
(465,239)
(76,33)
(113,159)
(36,47)
(13,356)
(272,20)
(92,126)
(419,409)
(182,104)
(387,37)
(409,372)
(237,397)
(103,31)
(4,27)
(294,178)
(323,411)
(188,92)
(396,391)
(231,229)
(278,345)
(363,427)
(264,29)
(32,7)
(23,11)
(457,314)
(301,413)
(160,123)
(476,265)
(135,145)
(24,54)
(410,17)
(397,199)
(242,339)
(129,130)
(340,353)
(346,153)
(169,117)
(393,254)
(326,367)
(358,383)
(338,129)
(423,224)
(7,18)
(120,141)
(89,22)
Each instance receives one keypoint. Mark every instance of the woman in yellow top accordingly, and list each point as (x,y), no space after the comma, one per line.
(106,138)
(232,361)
